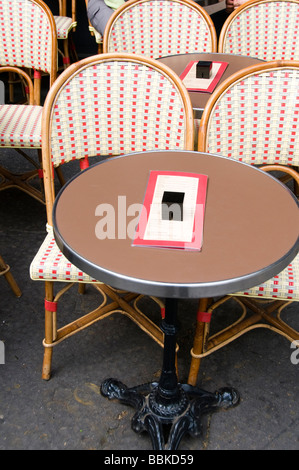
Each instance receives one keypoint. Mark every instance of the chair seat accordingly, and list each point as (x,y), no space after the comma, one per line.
(20,126)
(284,286)
(64,25)
(50,264)
(97,35)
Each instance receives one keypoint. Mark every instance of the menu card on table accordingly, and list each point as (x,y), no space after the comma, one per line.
(165,222)
(202,84)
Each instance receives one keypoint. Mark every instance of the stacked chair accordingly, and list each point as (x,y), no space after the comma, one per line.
(253,117)
(91,119)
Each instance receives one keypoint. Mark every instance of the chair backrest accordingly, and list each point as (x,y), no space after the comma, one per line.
(63,8)
(267,29)
(253,116)
(157,28)
(28,36)
(113,104)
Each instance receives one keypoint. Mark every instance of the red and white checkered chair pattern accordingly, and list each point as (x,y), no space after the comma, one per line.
(64,25)
(157,28)
(117,113)
(109,104)
(26,35)
(28,41)
(20,126)
(267,29)
(284,286)
(52,265)
(253,117)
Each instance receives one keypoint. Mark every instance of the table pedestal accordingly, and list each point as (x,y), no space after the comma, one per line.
(168,410)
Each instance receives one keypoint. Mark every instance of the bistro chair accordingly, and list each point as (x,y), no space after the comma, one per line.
(267,29)
(20,125)
(104,105)
(157,28)
(65,25)
(33,22)
(253,117)
(5,271)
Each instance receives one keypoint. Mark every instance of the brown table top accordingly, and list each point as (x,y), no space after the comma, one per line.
(250,227)
(235,63)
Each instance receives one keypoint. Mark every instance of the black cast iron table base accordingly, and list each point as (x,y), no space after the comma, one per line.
(168,410)
(168,421)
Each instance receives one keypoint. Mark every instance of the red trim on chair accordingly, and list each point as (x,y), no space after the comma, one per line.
(37,74)
(204,316)
(162,312)
(66,60)
(50,306)
(84,163)
(40,173)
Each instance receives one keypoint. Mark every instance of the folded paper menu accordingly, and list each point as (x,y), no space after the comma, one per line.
(184,231)
(202,84)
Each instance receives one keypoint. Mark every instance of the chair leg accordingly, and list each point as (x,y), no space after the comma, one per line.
(72,49)
(5,271)
(81,288)
(201,333)
(66,57)
(50,330)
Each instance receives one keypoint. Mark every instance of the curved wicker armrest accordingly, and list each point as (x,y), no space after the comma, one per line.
(26,77)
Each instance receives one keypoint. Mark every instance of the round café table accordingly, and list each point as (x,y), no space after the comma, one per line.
(179,62)
(250,234)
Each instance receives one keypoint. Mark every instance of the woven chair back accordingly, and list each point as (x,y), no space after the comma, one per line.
(267,29)
(253,116)
(28,36)
(157,28)
(114,104)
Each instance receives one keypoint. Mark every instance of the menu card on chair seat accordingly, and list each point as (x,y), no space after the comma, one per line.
(182,226)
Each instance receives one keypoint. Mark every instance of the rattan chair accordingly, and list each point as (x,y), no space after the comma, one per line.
(92,110)
(253,117)
(65,25)
(267,29)
(157,28)
(20,125)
